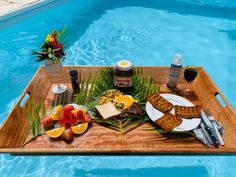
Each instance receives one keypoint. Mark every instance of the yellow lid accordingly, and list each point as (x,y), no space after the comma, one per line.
(124,65)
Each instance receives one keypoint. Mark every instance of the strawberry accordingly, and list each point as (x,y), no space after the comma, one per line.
(68,108)
(66,114)
(73,119)
(87,119)
(62,120)
(67,125)
(80,115)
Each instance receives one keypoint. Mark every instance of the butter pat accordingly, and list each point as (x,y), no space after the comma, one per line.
(107,110)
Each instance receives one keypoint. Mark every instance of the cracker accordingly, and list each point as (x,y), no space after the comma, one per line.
(160,103)
(188,112)
(168,122)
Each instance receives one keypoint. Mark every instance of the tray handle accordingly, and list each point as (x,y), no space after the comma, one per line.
(24,99)
(210,89)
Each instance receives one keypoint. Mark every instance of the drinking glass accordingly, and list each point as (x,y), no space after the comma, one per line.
(190,73)
(55,68)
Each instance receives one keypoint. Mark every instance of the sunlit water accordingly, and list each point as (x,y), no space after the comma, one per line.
(102,32)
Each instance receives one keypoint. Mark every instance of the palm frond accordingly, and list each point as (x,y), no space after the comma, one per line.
(103,82)
(33,118)
(165,134)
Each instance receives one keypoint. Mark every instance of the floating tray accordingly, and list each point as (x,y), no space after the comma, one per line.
(15,131)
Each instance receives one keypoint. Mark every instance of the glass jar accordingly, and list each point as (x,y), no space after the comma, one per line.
(74,81)
(123,74)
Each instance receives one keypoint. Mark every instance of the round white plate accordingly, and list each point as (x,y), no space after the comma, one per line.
(186,125)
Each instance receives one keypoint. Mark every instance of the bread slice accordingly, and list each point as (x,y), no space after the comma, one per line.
(160,103)
(168,122)
(107,110)
(188,112)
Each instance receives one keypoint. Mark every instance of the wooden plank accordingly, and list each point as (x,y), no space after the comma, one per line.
(15,128)
(99,139)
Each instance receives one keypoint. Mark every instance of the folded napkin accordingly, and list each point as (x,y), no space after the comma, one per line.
(203,135)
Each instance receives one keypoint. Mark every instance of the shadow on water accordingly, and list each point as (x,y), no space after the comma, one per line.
(231,34)
(193,171)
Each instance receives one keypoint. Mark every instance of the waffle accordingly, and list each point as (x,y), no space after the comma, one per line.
(188,112)
(168,122)
(160,103)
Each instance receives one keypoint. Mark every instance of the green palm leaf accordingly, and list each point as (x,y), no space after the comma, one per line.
(140,90)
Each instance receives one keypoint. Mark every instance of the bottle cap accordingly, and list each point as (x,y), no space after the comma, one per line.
(73,73)
(178,59)
(124,65)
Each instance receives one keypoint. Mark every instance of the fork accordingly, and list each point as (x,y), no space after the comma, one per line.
(211,118)
(217,127)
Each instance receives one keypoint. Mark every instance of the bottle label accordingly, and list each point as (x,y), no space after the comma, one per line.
(123,81)
(174,75)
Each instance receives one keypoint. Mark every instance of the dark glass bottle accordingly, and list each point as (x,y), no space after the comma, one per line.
(74,81)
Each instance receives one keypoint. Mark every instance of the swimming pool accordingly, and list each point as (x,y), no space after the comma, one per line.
(103,31)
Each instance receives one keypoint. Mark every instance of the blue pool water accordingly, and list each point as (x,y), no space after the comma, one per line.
(100,33)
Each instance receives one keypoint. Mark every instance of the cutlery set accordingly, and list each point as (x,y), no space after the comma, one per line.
(209,131)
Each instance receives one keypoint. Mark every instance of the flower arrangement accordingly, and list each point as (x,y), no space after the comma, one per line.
(52,48)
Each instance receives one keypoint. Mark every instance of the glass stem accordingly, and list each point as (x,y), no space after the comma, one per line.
(186,90)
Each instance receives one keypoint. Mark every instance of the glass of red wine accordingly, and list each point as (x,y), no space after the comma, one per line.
(190,73)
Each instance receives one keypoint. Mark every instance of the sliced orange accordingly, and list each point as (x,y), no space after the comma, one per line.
(74,112)
(54,116)
(56,132)
(79,129)
(84,111)
(57,112)
(127,100)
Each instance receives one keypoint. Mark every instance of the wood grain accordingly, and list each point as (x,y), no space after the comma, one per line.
(98,139)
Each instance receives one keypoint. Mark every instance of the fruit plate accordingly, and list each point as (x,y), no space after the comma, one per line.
(186,125)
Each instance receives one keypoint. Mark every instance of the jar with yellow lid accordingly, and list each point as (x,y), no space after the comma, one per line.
(123,74)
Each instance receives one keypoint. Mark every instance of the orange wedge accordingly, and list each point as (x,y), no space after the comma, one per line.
(56,112)
(79,129)
(127,100)
(56,132)
(54,116)
(59,110)
(84,111)
(74,112)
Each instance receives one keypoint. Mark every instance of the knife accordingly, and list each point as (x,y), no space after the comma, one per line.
(216,125)
(209,128)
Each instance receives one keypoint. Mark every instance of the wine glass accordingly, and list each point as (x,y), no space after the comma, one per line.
(55,68)
(190,73)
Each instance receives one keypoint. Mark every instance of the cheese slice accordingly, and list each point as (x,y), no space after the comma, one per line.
(107,110)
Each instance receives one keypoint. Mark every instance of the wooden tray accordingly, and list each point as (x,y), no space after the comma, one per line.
(15,131)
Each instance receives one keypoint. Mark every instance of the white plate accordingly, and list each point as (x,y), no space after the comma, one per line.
(186,125)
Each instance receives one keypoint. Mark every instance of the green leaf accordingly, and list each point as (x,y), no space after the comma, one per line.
(43,109)
(29,117)
(142,88)
(36,118)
